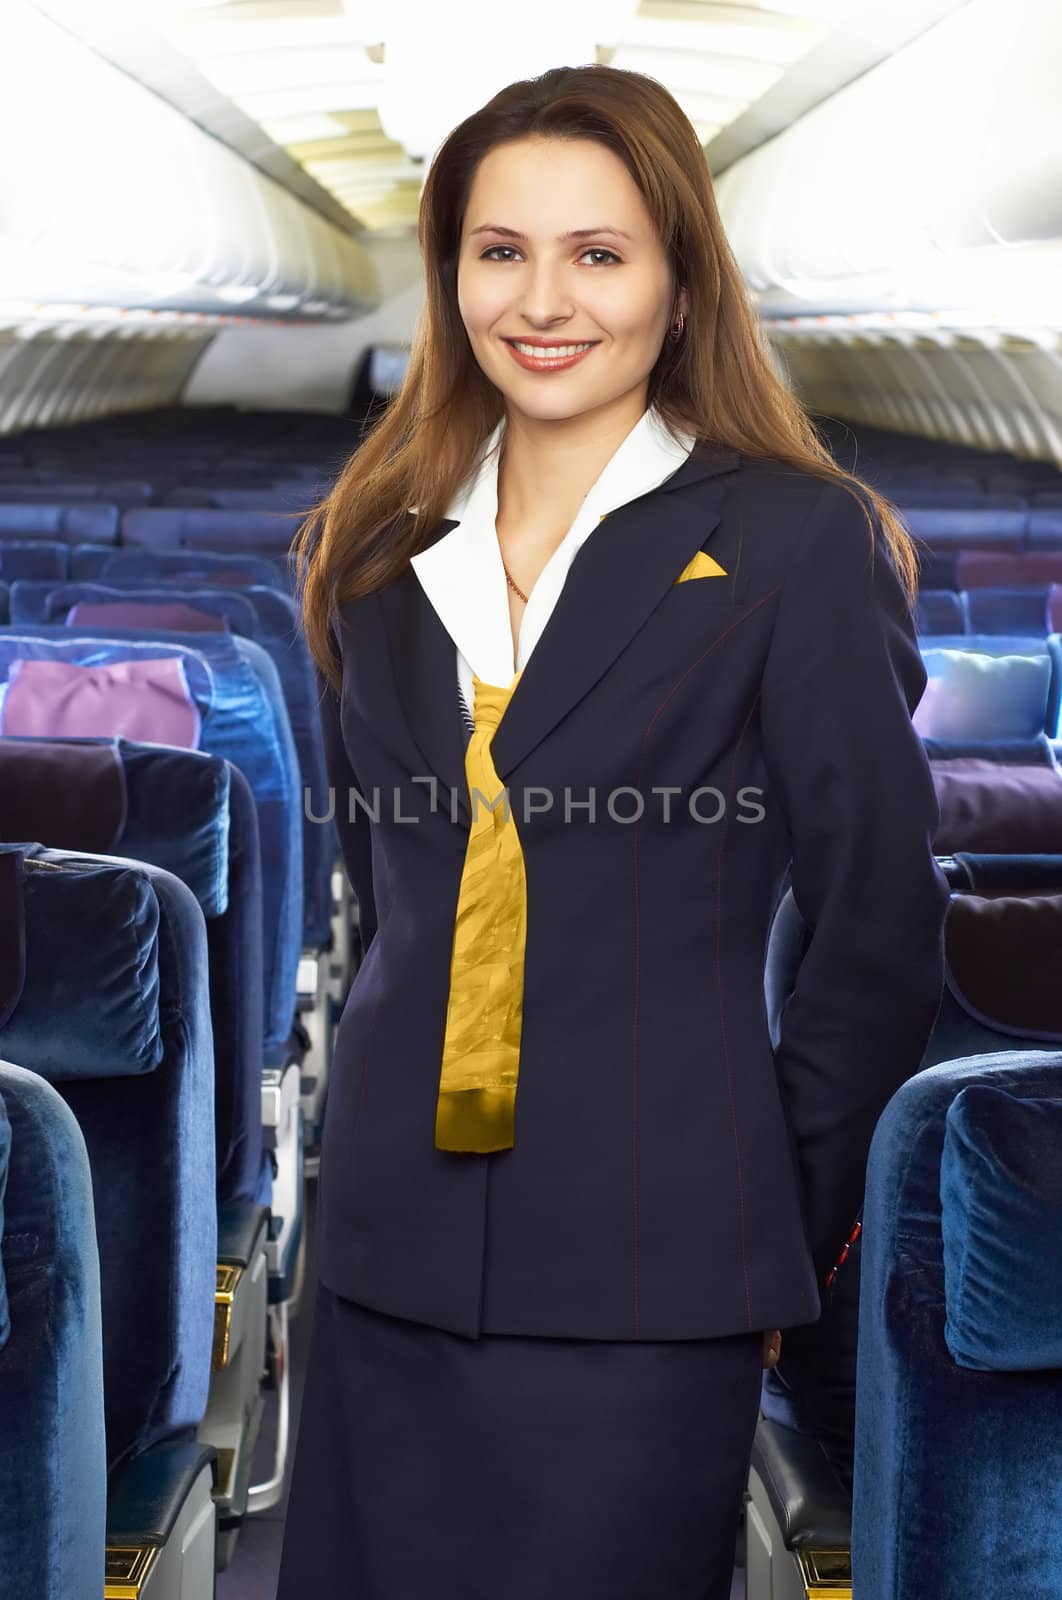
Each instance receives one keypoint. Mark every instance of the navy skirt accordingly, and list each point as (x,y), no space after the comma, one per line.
(516,1468)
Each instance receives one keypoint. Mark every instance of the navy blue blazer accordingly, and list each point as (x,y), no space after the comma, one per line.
(673,1176)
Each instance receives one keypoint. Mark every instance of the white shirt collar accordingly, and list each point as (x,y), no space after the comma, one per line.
(462,572)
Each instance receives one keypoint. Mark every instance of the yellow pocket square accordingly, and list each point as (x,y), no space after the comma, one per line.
(701,566)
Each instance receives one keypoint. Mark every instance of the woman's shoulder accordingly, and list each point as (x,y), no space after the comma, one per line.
(783,512)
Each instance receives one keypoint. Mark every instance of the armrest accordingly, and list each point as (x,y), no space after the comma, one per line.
(145,1496)
(241,1227)
(808,1499)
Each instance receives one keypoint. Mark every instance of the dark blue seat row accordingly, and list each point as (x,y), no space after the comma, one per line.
(1030,611)
(105,997)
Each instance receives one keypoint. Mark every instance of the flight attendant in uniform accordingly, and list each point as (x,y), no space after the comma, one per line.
(611,651)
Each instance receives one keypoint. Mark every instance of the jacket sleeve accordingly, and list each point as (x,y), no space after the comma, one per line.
(842,679)
(355,839)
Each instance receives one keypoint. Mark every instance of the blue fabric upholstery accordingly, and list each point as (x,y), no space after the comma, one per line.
(89,1008)
(33,558)
(50,602)
(150,1140)
(946,528)
(996,610)
(53,1463)
(953,1491)
(162,528)
(108,565)
(1045,528)
(1001,1225)
(244,719)
(178,817)
(88,523)
(937,611)
(193,815)
(255,612)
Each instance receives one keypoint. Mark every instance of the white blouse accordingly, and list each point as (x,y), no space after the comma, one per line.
(462,573)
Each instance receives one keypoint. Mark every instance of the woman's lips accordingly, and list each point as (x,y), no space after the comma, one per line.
(547,362)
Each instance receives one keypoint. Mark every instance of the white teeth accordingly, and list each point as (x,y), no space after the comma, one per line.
(553,352)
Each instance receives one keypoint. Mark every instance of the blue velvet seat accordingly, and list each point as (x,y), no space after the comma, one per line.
(104,563)
(946,528)
(244,720)
(33,558)
(53,1458)
(192,814)
(114,1011)
(940,611)
(1007,611)
(955,1468)
(167,528)
(807,1445)
(263,612)
(87,522)
(255,612)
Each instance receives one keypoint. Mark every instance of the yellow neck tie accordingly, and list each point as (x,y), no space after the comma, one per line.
(481,1051)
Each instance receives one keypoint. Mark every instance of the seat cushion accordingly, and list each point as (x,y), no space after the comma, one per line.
(1001,1220)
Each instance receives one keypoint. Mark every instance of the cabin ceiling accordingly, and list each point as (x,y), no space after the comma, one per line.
(343,101)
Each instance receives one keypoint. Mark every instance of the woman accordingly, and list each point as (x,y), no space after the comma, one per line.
(609,641)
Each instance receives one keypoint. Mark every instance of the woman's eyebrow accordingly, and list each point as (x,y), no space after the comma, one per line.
(573,233)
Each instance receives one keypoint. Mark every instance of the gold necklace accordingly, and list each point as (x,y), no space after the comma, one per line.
(512,583)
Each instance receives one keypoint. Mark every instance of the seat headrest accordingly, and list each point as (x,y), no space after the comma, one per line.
(1000,1218)
(1004,961)
(71,796)
(175,615)
(89,1000)
(997,806)
(169,807)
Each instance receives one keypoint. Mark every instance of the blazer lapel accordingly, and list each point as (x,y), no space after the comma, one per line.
(620,574)
(424,664)
(618,577)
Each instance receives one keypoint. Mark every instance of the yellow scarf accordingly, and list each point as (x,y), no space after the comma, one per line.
(481,1051)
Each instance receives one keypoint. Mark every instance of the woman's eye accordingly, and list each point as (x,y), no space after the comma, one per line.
(594,250)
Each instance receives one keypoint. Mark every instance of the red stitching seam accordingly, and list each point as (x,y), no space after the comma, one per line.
(637,971)
(722,1015)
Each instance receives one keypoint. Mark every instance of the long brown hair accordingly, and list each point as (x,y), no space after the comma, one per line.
(717,383)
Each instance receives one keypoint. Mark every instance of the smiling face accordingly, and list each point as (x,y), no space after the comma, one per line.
(524,277)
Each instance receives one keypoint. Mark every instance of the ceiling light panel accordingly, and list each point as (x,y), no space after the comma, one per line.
(733,77)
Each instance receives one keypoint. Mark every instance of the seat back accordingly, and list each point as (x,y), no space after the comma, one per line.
(158,527)
(88,522)
(192,814)
(940,611)
(259,612)
(953,1467)
(1008,611)
(243,718)
(53,1456)
(114,1011)
(33,558)
(103,563)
